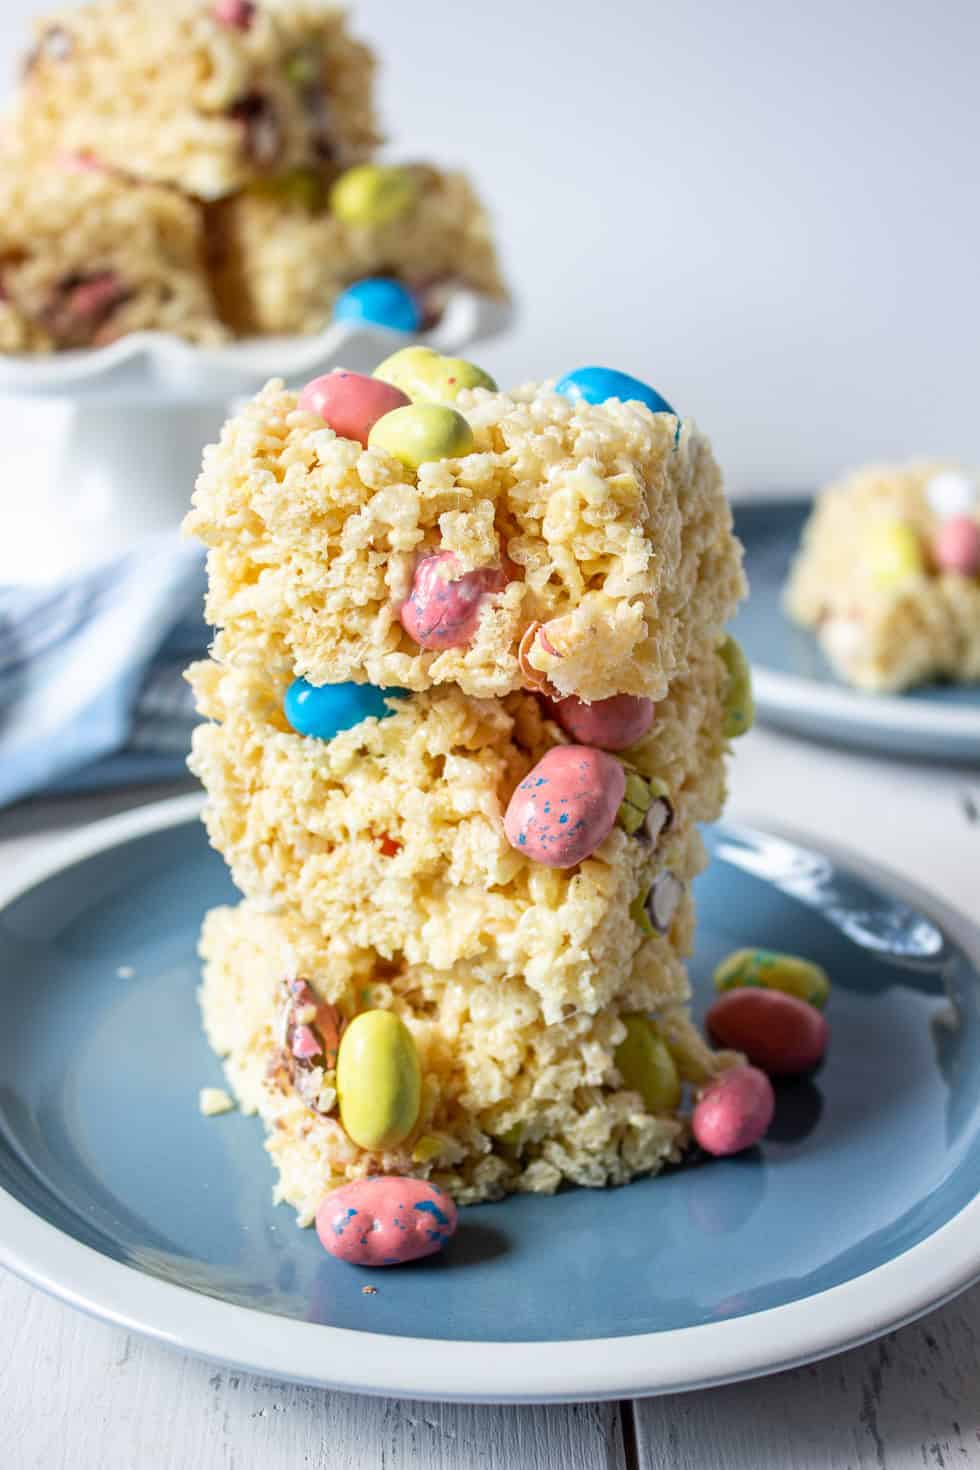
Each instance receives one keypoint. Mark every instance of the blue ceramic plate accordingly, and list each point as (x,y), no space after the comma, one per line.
(795,686)
(858,1212)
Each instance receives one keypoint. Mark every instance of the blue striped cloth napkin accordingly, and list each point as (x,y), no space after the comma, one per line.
(91,693)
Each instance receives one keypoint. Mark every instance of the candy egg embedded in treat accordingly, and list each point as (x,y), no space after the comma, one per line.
(646,1065)
(894,555)
(426,375)
(309,1032)
(653,910)
(372,194)
(381,302)
(646,811)
(379,1080)
(351,403)
(635,803)
(443,608)
(566,806)
(599,384)
(323,710)
(386,1221)
(739,699)
(957,546)
(422,433)
(237,13)
(611,724)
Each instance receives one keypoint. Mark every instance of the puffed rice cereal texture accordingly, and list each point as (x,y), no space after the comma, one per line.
(390,837)
(281,258)
(509,1102)
(169,92)
(612,517)
(883,639)
(87,256)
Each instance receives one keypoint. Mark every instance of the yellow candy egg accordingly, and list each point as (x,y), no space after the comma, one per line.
(420,433)
(300,188)
(635,804)
(638,912)
(372,194)
(425,374)
(894,555)
(739,701)
(646,1065)
(768,970)
(379,1080)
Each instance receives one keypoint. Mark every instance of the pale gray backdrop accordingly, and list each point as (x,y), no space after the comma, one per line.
(770,210)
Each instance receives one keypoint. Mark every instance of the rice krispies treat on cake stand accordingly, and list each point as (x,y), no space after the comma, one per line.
(206,97)
(888,576)
(259,115)
(87,256)
(380,839)
(284,251)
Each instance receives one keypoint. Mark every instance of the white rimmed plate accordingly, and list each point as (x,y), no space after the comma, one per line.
(858,1213)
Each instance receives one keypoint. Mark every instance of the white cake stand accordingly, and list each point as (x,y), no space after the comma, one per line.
(143,408)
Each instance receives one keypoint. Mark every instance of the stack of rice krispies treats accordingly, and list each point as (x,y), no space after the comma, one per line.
(375,865)
(170,167)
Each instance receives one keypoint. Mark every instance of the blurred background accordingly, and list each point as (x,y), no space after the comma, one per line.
(769,211)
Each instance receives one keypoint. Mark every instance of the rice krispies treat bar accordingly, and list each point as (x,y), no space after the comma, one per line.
(310,825)
(87,256)
(613,518)
(867,581)
(508,1102)
(282,257)
(173,93)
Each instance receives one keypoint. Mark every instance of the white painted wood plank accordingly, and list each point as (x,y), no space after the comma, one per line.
(79,1395)
(910,1400)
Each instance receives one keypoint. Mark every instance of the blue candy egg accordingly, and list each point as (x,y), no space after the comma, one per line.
(324,710)
(596,384)
(380,301)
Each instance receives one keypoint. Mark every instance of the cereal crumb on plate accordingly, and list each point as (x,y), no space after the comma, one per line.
(214,1100)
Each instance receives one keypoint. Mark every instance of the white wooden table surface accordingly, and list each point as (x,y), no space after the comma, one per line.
(78,1395)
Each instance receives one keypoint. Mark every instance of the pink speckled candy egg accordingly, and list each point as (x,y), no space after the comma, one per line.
(778,1032)
(385,1221)
(566,806)
(443,608)
(957,546)
(612,724)
(351,403)
(734,1111)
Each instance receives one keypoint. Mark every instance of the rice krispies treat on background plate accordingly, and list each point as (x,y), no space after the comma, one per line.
(621,561)
(282,254)
(508,1102)
(888,576)
(206,96)
(87,256)
(390,836)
